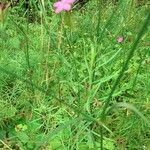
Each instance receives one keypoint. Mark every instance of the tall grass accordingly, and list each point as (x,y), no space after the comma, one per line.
(66,83)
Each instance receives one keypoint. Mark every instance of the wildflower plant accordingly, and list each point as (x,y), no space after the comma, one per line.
(67,81)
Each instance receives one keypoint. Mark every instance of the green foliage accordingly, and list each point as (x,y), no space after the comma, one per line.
(65,81)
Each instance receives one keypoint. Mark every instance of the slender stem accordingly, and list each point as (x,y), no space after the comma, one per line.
(101,141)
(29,70)
(5,144)
(139,67)
(99,18)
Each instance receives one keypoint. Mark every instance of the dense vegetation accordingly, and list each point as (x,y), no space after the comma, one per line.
(77,80)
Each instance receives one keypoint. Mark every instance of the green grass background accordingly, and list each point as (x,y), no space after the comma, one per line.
(66,83)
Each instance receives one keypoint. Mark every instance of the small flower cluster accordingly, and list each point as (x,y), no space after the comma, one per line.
(63,5)
(120,39)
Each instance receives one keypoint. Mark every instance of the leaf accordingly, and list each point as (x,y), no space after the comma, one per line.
(109,144)
(131,107)
(55,144)
(23,137)
(21,127)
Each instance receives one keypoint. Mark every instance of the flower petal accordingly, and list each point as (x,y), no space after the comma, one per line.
(58,10)
(68,1)
(67,7)
(57,4)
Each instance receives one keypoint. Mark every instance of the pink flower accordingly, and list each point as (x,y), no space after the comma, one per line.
(120,39)
(68,1)
(63,5)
